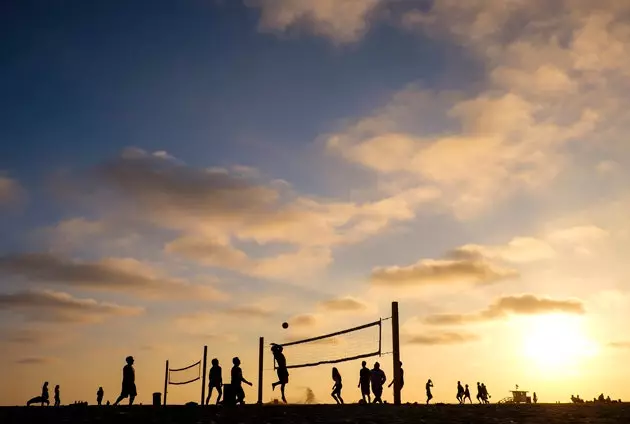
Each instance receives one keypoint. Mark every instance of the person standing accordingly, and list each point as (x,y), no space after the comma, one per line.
(57,398)
(99,396)
(215,380)
(237,380)
(377,379)
(364,382)
(535,398)
(428,387)
(43,399)
(128,382)
(336,390)
(402,378)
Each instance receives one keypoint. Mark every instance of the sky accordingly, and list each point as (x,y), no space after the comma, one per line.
(190,173)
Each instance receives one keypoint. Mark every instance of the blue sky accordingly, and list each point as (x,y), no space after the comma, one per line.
(204,170)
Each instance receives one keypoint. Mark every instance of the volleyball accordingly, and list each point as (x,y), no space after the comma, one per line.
(285,325)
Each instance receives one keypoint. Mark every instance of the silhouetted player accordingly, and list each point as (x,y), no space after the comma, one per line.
(377,378)
(128,382)
(99,396)
(428,387)
(484,393)
(466,395)
(237,380)
(215,380)
(479,393)
(283,372)
(402,378)
(535,398)
(43,399)
(364,382)
(57,399)
(460,392)
(336,390)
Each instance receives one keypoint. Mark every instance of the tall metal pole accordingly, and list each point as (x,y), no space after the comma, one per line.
(261,348)
(203,376)
(396,353)
(165,382)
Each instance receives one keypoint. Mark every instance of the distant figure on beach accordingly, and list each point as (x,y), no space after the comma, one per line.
(479,392)
(364,382)
(215,381)
(428,387)
(467,395)
(402,378)
(57,398)
(128,382)
(99,396)
(282,371)
(43,399)
(237,380)
(460,392)
(535,398)
(336,390)
(377,379)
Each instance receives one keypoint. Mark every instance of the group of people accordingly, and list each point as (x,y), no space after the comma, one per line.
(215,381)
(44,397)
(463,393)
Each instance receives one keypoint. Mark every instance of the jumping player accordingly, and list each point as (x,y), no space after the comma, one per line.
(283,372)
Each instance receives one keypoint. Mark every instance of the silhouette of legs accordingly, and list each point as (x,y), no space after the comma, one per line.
(336,394)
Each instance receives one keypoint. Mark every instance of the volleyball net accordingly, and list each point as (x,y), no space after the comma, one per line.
(354,343)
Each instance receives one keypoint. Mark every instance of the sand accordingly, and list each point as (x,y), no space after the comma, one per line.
(306,414)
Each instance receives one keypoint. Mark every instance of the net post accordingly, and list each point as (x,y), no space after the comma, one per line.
(203,376)
(380,336)
(396,353)
(165,382)
(261,349)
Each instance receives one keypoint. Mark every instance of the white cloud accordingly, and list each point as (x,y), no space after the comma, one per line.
(341,21)
(519,249)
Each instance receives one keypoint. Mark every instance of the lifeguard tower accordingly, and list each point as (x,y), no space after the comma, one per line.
(518,396)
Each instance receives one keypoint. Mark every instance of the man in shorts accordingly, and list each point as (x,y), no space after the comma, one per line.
(283,372)
(364,382)
(128,382)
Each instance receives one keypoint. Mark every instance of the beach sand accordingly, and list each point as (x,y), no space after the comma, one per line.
(306,414)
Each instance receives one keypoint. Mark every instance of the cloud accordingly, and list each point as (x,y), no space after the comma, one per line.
(25,336)
(249,311)
(211,209)
(36,360)
(526,304)
(446,338)
(11,192)
(50,306)
(620,345)
(474,271)
(111,274)
(304,320)
(578,234)
(341,21)
(519,249)
(348,304)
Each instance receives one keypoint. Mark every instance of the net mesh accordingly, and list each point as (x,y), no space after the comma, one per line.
(189,374)
(346,345)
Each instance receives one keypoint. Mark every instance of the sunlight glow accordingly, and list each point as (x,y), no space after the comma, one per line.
(557,344)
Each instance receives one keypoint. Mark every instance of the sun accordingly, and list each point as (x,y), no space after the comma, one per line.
(557,343)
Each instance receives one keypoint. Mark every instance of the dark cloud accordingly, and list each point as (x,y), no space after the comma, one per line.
(36,360)
(527,304)
(49,306)
(25,336)
(443,271)
(446,338)
(113,274)
(342,304)
(11,192)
